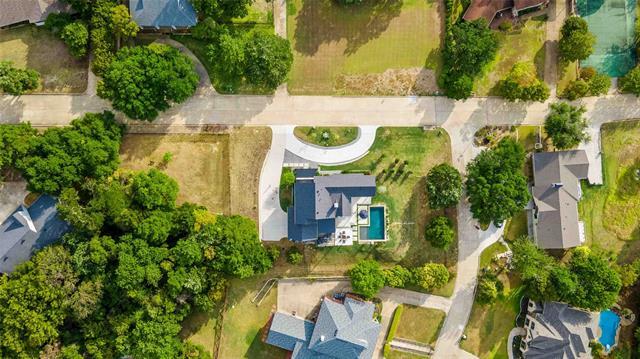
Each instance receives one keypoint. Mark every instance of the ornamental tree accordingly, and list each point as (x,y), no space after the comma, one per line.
(566,126)
(576,42)
(15,141)
(144,80)
(439,232)
(122,24)
(397,276)
(496,185)
(367,278)
(431,276)
(444,186)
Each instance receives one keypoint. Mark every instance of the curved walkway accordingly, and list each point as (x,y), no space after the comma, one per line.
(333,155)
(204,87)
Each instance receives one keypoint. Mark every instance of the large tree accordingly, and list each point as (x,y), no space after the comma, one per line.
(566,126)
(67,156)
(268,59)
(144,80)
(367,278)
(444,186)
(576,42)
(522,83)
(440,232)
(15,141)
(597,281)
(496,185)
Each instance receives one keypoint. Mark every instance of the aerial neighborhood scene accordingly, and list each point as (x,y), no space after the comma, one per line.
(348,179)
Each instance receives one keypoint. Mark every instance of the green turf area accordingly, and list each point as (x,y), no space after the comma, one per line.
(521,44)
(326,136)
(36,48)
(567,72)
(222,82)
(490,252)
(259,12)
(203,329)
(345,50)
(396,354)
(516,227)
(611,212)
(405,196)
(420,324)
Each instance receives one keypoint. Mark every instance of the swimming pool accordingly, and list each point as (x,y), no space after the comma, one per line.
(376,224)
(609,322)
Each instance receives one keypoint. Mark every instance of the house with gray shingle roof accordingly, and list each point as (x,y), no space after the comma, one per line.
(29,229)
(163,14)
(554,330)
(556,193)
(13,12)
(343,330)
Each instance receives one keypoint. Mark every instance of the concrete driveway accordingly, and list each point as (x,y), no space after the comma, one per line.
(303,296)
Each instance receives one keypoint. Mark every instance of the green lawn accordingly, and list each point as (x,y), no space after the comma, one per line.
(405,196)
(346,50)
(326,136)
(36,48)
(516,226)
(203,329)
(396,354)
(222,82)
(490,252)
(420,324)
(611,212)
(567,72)
(522,43)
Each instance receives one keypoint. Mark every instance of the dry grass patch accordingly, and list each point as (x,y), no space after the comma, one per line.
(420,324)
(200,164)
(36,48)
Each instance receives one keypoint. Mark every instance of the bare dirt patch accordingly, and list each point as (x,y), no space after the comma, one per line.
(392,82)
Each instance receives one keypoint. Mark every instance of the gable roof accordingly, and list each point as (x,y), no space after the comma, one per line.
(27,230)
(559,332)
(163,13)
(319,200)
(556,193)
(342,330)
(17,11)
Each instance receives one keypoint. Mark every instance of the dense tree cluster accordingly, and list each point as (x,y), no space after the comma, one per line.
(67,156)
(489,288)
(15,141)
(444,186)
(15,81)
(576,42)
(367,278)
(496,185)
(566,126)
(522,83)
(142,81)
(468,47)
(590,83)
(588,280)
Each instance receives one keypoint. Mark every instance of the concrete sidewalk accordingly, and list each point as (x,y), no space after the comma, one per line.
(333,155)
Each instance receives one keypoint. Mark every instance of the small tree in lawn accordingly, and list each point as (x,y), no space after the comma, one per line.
(566,126)
(367,278)
(521,83)
(444,186)
(227,54)
(397,276)
(76,36)
(431,276)
(439,232)
(122,24)
(487,291)
(294,256)
(576,42)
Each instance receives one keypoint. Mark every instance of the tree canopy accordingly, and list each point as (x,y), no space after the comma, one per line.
(15,141)
(630,83)
(268,59)
(576,42)
(221,10)
(76,36)
(439,232)
(431,276)
(496,185)
(144,80)
(444,186)
(522,83)
(67,156)
(16,81)
(566,126)
(367,278)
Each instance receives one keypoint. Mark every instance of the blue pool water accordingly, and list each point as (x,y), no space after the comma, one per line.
(609,322)
(376,223)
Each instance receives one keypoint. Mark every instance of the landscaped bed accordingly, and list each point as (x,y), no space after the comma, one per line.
(36,48)
(326,136)
(520,44)
(375,48)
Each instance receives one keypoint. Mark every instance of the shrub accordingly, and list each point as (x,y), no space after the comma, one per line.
(444,186)
(16,81)
(367,278)
(294,256)
(505,26)
(521,83)
(431,276)
(393,328)
(489,287)
(439,232)
(397,276)
(349,2)
(630,83)
(590,83)
(76,36)
(576,89)
(55,22)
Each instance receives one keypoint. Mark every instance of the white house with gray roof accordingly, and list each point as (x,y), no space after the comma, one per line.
(344,329)
(554,330)
(556,193)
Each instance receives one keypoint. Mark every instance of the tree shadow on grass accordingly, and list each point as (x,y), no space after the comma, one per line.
(324,21)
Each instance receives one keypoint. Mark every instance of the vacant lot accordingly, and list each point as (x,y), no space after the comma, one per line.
(346,50)
(405,194)
(36,48)
(420,324)
(611,212)
(200,164)
(522,43)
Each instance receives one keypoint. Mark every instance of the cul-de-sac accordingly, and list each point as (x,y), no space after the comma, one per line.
(319,179)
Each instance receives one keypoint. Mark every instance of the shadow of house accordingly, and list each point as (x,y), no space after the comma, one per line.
(28,230)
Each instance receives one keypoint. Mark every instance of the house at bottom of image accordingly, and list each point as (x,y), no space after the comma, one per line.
(344,328)
(335,210)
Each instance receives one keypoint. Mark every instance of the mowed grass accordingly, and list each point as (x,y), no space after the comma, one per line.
(405,197)
(200,164)
(329,40)
(491,252)
(517,226)
(326,136)
(420,324)
(521,44)
(396,354)
(611,212)
(203,328)
(36,48)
